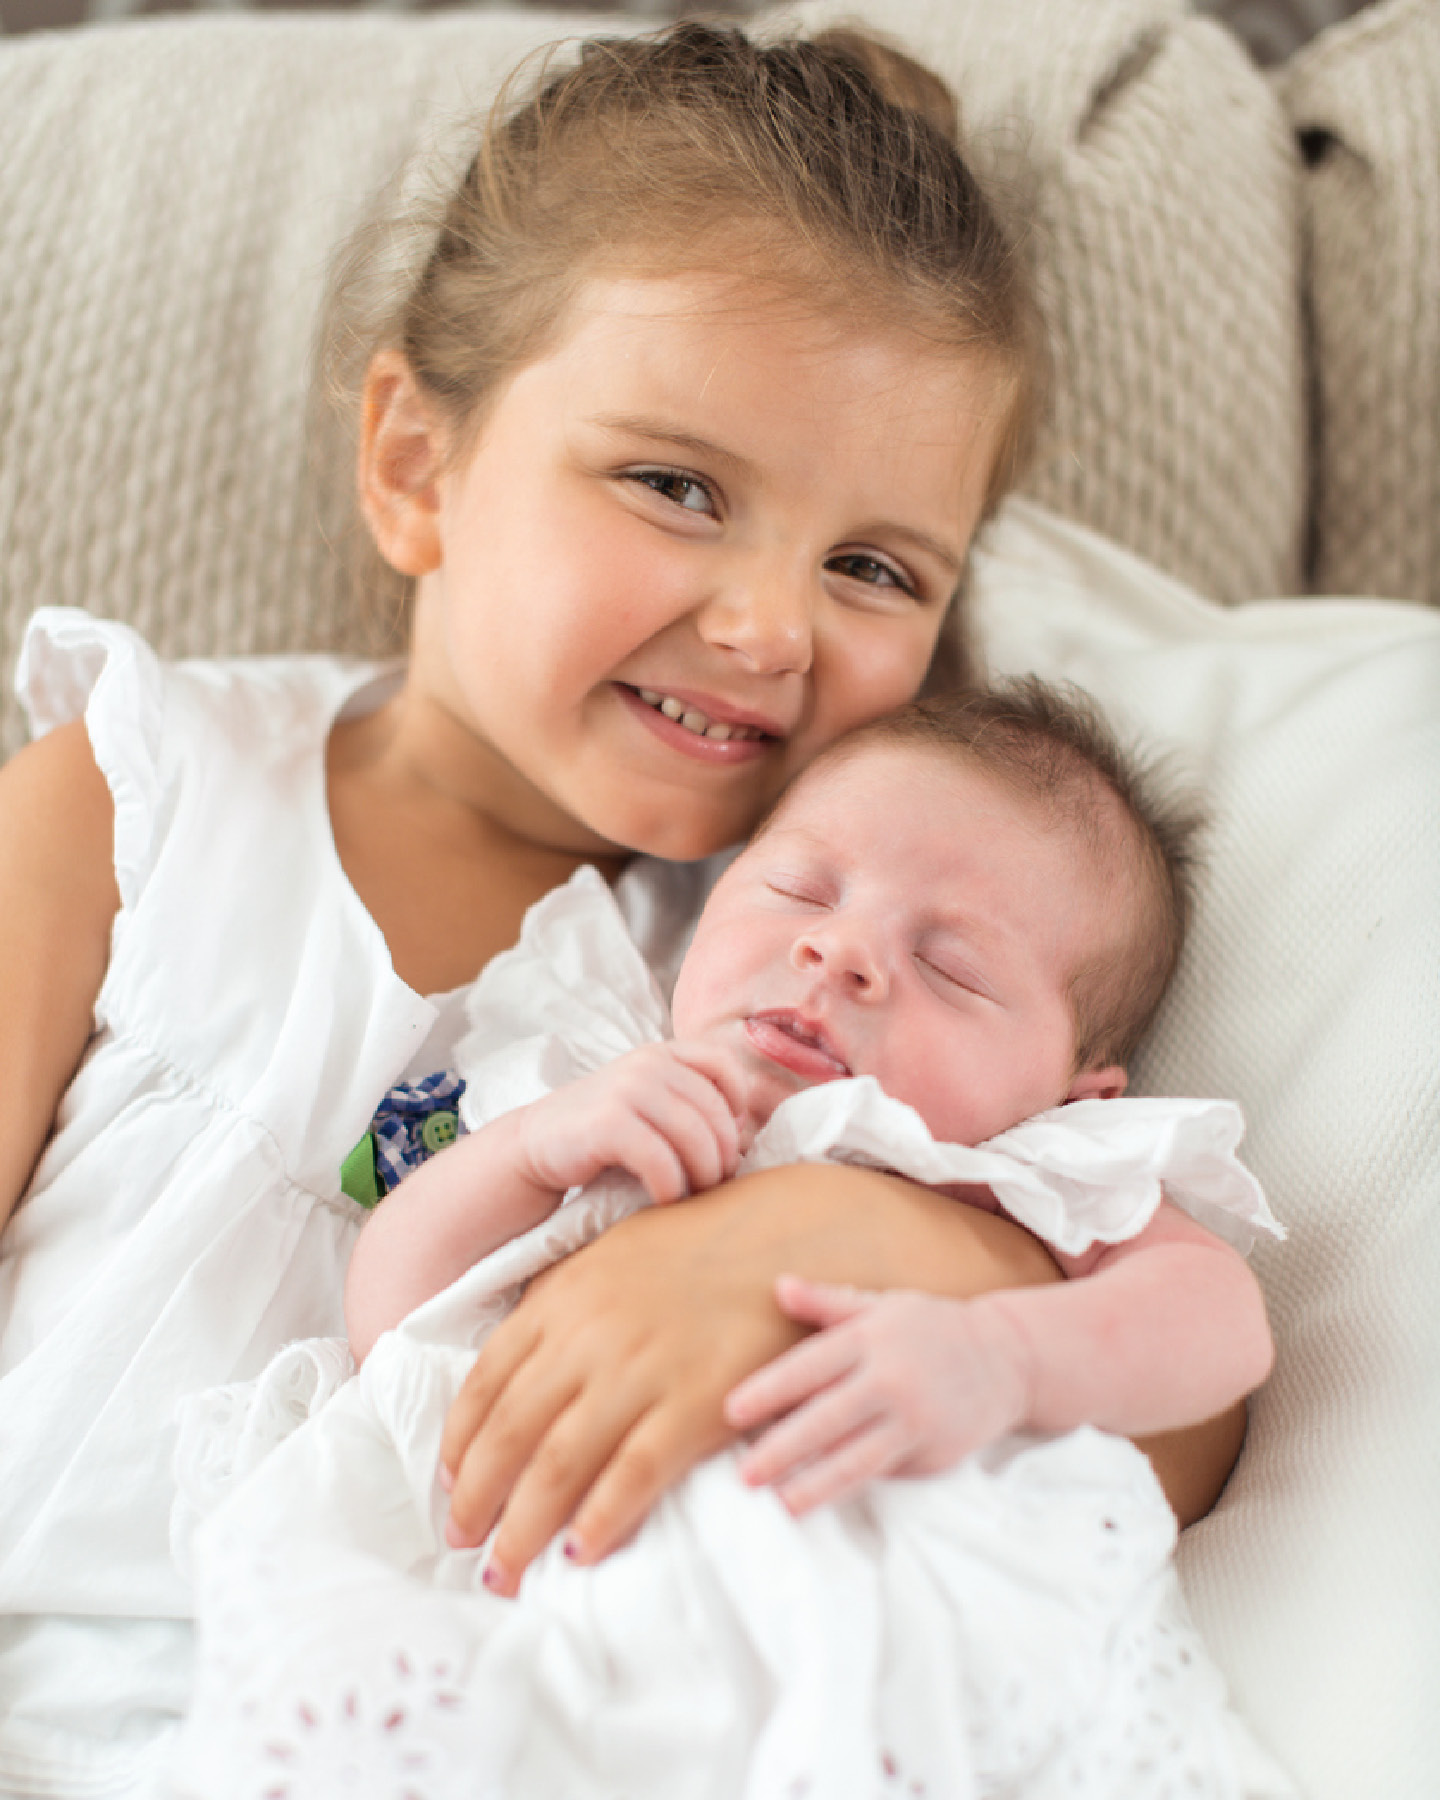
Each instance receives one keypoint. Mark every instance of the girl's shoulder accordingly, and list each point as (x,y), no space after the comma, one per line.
(200,732)
(73,664)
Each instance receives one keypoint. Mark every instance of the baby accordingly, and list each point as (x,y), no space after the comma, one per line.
(978,904)
(934,957)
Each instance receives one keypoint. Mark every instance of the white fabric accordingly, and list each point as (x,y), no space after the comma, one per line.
(185,1220)
(1033,1586)
(1310,991)
(729,1652)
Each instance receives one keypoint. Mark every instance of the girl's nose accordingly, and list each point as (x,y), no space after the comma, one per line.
(844,955)
(766,618)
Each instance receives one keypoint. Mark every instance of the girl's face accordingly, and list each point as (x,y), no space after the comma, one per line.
(698,539)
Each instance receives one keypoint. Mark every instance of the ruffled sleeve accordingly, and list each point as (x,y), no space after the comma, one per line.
(572,995)
(73,666)
(1091,1172)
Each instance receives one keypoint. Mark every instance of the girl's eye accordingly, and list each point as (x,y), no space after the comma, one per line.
(684,491)
(871,570)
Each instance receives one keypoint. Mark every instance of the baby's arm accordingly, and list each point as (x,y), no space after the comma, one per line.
(1145,1337)
(58,901)
(665,1113)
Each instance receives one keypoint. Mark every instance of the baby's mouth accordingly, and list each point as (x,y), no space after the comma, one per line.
(797,1045)
(693,720)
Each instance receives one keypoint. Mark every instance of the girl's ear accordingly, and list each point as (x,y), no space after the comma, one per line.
(400,459)
(1098,1084)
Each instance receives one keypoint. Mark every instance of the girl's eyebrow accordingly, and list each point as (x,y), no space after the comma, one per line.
(921,540)
(660,432)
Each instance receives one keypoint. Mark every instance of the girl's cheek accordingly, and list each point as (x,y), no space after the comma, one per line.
(875,678)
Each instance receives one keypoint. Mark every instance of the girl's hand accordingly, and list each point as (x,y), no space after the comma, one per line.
(669,1114)
(891,1384)
(608,1382)
(605,1386)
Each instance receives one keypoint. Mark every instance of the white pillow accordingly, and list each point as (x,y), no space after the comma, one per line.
(1310,992)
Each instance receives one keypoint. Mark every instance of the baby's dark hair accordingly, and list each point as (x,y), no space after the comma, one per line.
(827,166)
(1053,745)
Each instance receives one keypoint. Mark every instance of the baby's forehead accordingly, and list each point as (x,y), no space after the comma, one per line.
(1082,810)
(890,766)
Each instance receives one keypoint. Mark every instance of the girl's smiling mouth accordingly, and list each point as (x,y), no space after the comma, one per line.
(679,721)
(796,1044)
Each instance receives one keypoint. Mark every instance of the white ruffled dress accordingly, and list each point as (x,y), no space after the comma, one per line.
(185,1221)
(1013,1628)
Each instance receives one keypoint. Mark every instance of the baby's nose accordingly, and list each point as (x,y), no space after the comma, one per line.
(844,956)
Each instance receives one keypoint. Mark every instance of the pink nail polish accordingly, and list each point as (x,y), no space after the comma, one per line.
(572,1549)
(494,1578)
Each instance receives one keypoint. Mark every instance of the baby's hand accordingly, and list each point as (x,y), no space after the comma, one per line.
(892,1384)
(669,1114)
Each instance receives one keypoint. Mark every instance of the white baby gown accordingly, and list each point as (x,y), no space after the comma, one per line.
(185,1221)
(1013,1628)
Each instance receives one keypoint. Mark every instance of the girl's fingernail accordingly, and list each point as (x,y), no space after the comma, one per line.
(572,1549)
(455,1536)
(445,1478)
(494,1577)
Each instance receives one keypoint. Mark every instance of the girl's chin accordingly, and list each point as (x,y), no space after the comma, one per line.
(686,827)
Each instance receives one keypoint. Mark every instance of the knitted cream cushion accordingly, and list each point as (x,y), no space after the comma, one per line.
(1309,991)
(1162,179)
(1368,95)
(170,194)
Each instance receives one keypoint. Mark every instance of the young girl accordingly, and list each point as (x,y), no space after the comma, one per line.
(958,917)
(679,437)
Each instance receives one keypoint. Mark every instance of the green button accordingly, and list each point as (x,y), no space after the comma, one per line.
(440,1129)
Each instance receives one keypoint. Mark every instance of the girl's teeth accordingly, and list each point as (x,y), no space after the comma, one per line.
(692,718)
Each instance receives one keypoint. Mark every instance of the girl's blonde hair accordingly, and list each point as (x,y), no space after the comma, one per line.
(834,159)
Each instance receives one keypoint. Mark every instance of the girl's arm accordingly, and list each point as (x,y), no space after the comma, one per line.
(1148,1336)
(665,1113)
(607,1383)
(58,901)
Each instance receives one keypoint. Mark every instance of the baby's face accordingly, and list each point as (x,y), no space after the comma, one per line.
(909,917)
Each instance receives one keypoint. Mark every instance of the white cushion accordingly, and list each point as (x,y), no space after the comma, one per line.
(1310,992)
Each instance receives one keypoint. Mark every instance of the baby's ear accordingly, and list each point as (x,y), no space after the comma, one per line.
(400,458)
(1108,1083)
